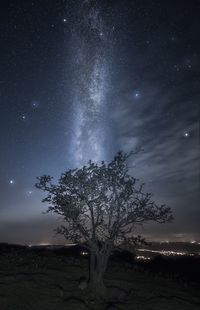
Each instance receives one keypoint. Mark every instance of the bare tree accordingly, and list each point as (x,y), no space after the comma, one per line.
(102,205)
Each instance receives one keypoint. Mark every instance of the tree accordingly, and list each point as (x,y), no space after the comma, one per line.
(101,205)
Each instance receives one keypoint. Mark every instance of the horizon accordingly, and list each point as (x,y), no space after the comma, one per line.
(193,242)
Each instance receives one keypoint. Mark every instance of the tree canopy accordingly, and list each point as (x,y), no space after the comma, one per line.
(101,203)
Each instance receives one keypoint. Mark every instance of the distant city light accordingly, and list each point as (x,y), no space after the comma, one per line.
(84,253)
(44,244)
(163,252)
(141,257)
(70,244)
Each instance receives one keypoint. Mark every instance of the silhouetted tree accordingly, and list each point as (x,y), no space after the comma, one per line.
(101,205)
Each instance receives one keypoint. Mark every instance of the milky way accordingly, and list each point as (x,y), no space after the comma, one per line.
(90,60)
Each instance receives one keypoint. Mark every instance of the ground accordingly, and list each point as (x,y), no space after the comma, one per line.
(50,282)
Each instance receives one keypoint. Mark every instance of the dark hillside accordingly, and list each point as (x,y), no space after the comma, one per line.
(43,278)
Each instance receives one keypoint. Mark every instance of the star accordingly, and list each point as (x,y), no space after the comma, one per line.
(35,104)
(186,134)
(23,117)
(29,193)
(177,68)
(64,20)
(11,181)
(188,64)
(136,95)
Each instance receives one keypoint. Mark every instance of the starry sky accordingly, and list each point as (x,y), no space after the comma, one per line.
(83,79)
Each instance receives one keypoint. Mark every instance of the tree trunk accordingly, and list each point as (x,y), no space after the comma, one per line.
(98,264)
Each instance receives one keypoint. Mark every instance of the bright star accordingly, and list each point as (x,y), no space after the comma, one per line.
(35,104)
(64,20)
(11,181)
(137,95)
(186,134)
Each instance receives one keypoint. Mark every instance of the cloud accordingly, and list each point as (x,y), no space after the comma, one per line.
(169,164)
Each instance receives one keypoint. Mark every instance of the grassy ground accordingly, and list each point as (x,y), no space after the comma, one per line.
(49,282)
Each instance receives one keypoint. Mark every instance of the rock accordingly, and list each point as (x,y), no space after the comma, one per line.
(111,306)
(117,293)
(74,303)
(83,283)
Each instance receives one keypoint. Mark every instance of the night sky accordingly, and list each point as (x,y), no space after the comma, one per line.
(83,79)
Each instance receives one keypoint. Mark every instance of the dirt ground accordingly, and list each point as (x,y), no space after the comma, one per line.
(50,282)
